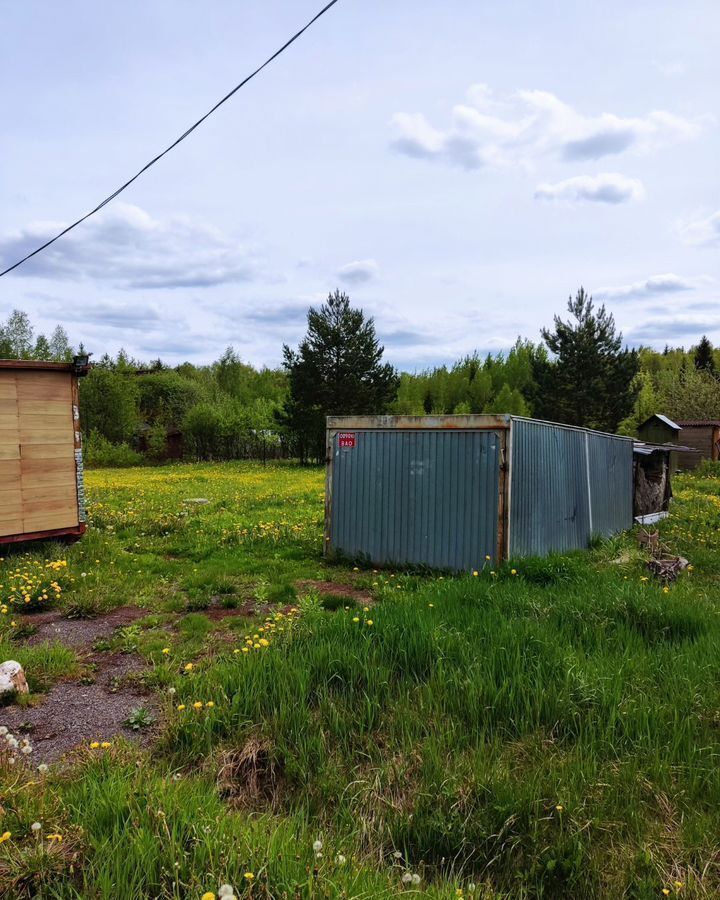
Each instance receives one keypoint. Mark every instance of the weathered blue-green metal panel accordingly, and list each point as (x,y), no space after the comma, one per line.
(611,483)
(416,497)
(549,508)
(566,486)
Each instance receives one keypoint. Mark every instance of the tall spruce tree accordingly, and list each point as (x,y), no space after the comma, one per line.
(590,381)
(704,356)
(336,370)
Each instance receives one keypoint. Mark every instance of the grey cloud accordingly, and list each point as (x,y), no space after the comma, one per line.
(135,317)
(606,188)
(702,232)
(673,329)
(529,125)
(598,145)
(358,272)
(654,286)
(407,338)
(127,248)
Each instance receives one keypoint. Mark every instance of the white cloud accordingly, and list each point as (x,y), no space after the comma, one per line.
(486,131)
(605,188)
(359,271)
(655,286)
(126,247)
(703,231)
(671,68)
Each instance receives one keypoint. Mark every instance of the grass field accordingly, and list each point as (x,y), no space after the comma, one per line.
(547,729)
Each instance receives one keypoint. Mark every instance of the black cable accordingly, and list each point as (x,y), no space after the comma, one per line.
(174,143)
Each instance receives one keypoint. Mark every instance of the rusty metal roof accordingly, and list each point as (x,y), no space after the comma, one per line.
(35,364)
(691,423)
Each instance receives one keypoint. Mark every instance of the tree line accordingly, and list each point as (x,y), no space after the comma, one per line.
(579,373)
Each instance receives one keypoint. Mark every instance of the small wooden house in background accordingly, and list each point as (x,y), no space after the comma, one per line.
(41,468)
(703,436)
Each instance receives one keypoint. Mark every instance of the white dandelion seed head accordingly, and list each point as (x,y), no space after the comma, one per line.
(317,846)
(27,750)
(341,859)
(415,878)
(407,878)
(36,826)
(3,730)
(171,691)
(11,761)
(225,890)
(397,854)
(13,742)
(43,768)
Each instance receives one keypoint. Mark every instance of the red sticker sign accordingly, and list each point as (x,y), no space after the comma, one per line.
(346,440)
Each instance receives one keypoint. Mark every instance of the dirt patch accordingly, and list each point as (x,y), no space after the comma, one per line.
(75,713)
(338,590)
(247,610)
(52,626)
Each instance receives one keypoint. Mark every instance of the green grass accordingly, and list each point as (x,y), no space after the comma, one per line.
(549,733)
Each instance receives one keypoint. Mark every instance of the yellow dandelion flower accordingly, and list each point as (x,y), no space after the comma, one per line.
(210,704)
(249,876)
(94,745)
(369,622)
(181,707)
(197,704)
(356,618)
(166,650)
(208,895)
(5,836)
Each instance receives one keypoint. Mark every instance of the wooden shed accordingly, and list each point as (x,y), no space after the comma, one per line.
(41,468)
(704,436)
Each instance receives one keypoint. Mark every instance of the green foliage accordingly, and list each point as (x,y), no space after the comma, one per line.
(16,341)
(590,380)
(500,383)
(109,403)
(165,396)
(704,357)
(337,370)
(98,452)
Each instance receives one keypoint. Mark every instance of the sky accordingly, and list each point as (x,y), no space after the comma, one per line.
(459,168)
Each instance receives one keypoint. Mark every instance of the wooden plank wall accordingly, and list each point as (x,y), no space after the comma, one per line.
(38,489)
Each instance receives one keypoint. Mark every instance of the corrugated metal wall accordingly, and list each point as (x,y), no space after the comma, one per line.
(566,485)
(417,497)
(611,483)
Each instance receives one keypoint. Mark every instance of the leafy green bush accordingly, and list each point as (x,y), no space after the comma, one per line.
(99,452)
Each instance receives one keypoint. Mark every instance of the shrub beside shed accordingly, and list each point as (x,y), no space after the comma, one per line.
(452,492)
(41,469)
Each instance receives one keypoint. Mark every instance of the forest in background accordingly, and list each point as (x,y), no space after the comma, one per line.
(131,409)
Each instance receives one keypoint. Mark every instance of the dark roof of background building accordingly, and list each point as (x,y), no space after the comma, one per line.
(663,419)
(690,423)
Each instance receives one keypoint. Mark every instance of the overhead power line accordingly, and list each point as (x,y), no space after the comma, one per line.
(174,144)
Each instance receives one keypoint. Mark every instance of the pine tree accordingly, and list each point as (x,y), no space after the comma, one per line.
(336,370)
(591,380)
(704,356)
